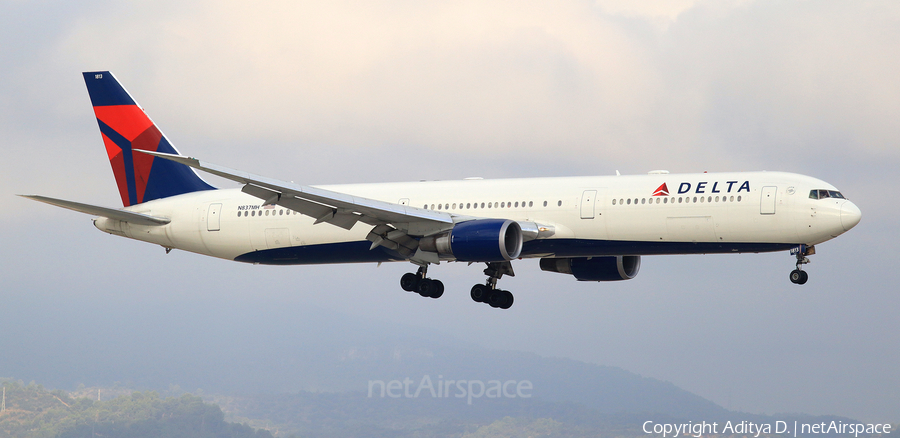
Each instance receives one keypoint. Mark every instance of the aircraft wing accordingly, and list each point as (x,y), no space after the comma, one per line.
(111,213)
(336,208)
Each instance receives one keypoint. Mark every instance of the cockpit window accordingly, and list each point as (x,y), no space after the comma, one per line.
(822,194)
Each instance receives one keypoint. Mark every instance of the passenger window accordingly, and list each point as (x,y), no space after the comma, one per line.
(665,200)
(517,204)
(454,206)
(559,204)
(530,203)
(482,205)
(695,199)
(643,200)
(614,203)
(253,213)
(629,201)
(239,214)
(502,204)
(739,198)
(545,203)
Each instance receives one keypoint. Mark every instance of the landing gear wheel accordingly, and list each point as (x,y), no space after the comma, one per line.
(799,277)
(502,299)
(409,281)
(425,287)
(437,288)
(430,288)
(507,300)
(480,293)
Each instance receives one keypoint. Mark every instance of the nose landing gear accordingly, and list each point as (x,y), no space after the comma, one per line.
(799,276)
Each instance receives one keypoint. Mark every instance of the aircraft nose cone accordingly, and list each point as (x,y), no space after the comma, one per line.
(850,215)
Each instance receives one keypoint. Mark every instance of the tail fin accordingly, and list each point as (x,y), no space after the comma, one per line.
(124,126)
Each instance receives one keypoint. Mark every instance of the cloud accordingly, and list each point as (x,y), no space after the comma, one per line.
(517,79)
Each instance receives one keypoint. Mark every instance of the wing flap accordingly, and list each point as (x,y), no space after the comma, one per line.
(345,210)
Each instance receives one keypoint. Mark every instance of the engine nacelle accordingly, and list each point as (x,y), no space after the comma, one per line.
(482,240)
(606,268)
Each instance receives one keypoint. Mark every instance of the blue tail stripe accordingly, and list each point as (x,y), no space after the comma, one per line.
(125,145)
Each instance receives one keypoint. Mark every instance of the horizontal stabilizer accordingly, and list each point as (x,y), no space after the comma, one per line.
(111,213)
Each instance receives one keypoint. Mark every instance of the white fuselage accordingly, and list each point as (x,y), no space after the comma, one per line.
(590,216)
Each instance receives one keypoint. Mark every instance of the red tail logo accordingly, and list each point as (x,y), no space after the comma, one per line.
(662,190)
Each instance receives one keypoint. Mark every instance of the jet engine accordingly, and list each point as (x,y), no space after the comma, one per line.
(481,240)
(606,268)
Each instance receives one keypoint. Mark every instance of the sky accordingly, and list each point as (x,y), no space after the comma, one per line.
(327,93)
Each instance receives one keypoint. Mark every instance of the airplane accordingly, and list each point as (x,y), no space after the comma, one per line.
(594,228)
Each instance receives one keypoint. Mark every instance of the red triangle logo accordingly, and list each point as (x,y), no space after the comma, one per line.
(662,190)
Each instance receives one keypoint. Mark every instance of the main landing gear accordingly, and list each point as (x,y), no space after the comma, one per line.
(799,276)
(418,283)
(488,293)
(482,293)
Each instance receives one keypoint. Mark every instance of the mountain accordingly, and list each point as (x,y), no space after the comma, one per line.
(265,350)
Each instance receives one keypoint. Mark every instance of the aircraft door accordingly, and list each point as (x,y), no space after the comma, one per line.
(588,198)
(767,200)
(212,217)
